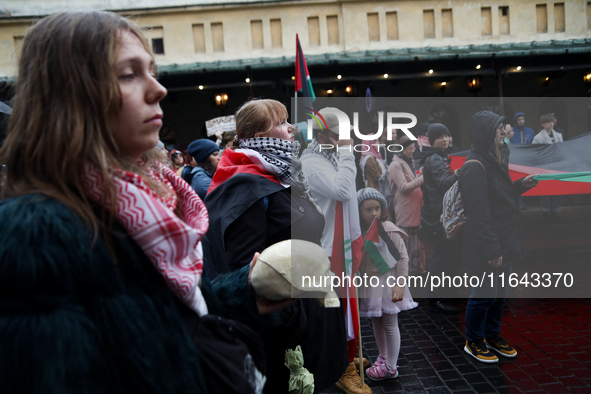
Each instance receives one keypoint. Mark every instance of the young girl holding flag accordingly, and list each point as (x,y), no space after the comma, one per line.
(386,259)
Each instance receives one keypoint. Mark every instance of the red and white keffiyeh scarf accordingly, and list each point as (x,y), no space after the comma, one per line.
(171,244)
(423,141)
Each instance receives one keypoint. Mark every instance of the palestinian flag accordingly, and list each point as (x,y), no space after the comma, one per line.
(227,199)
(562,166)
(378,250)
(302,76)
(234,162)
(347,250)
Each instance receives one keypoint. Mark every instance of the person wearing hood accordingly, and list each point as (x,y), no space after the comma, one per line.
(438,177)
(492,234)
(521,133)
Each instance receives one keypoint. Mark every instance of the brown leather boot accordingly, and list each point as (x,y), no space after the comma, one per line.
(350,382)
(366,363)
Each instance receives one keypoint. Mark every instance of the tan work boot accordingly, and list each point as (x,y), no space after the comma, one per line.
(366,363)
(350,382)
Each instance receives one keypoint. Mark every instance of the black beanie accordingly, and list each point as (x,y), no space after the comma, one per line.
(435,131)
(201,149)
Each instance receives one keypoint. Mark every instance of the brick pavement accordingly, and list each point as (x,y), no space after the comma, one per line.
(552,337)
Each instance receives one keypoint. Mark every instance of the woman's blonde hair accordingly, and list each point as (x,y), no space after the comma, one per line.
(258,117)
(67,98)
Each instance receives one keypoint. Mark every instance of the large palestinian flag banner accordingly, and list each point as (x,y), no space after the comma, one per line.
(564,167)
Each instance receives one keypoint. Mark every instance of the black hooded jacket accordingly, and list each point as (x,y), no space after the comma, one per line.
(438,178)
(493,226)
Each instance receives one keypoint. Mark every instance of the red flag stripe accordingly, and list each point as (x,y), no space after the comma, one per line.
(545,188)
(373,233)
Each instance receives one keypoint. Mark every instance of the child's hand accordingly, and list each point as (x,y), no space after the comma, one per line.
(397,293)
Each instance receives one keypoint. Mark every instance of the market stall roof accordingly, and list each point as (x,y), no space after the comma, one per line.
(430,53)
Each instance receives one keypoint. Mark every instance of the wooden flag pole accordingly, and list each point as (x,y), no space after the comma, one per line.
(361,369)
(296,108)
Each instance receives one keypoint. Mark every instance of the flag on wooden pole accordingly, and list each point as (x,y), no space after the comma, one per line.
(303,83)
(347,249)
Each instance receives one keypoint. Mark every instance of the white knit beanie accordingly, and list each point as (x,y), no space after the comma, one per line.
(371,193)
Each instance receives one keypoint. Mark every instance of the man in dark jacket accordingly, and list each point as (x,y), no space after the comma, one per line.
(492,236)
(438,178)
(522,133)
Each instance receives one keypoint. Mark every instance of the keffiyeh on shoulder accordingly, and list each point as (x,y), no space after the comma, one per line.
(274,156)
(172,245)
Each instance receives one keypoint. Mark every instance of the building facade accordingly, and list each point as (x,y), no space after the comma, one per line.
(214,55)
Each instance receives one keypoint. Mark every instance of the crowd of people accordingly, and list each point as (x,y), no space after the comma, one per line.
(126,269)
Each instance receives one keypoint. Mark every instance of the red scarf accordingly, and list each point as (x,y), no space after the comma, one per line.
(171,244)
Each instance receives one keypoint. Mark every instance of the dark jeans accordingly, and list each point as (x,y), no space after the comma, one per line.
(446,258)
(551,203)
(484,311)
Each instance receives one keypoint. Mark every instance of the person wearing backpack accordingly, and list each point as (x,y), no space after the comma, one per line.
(492,236)
(438,177)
